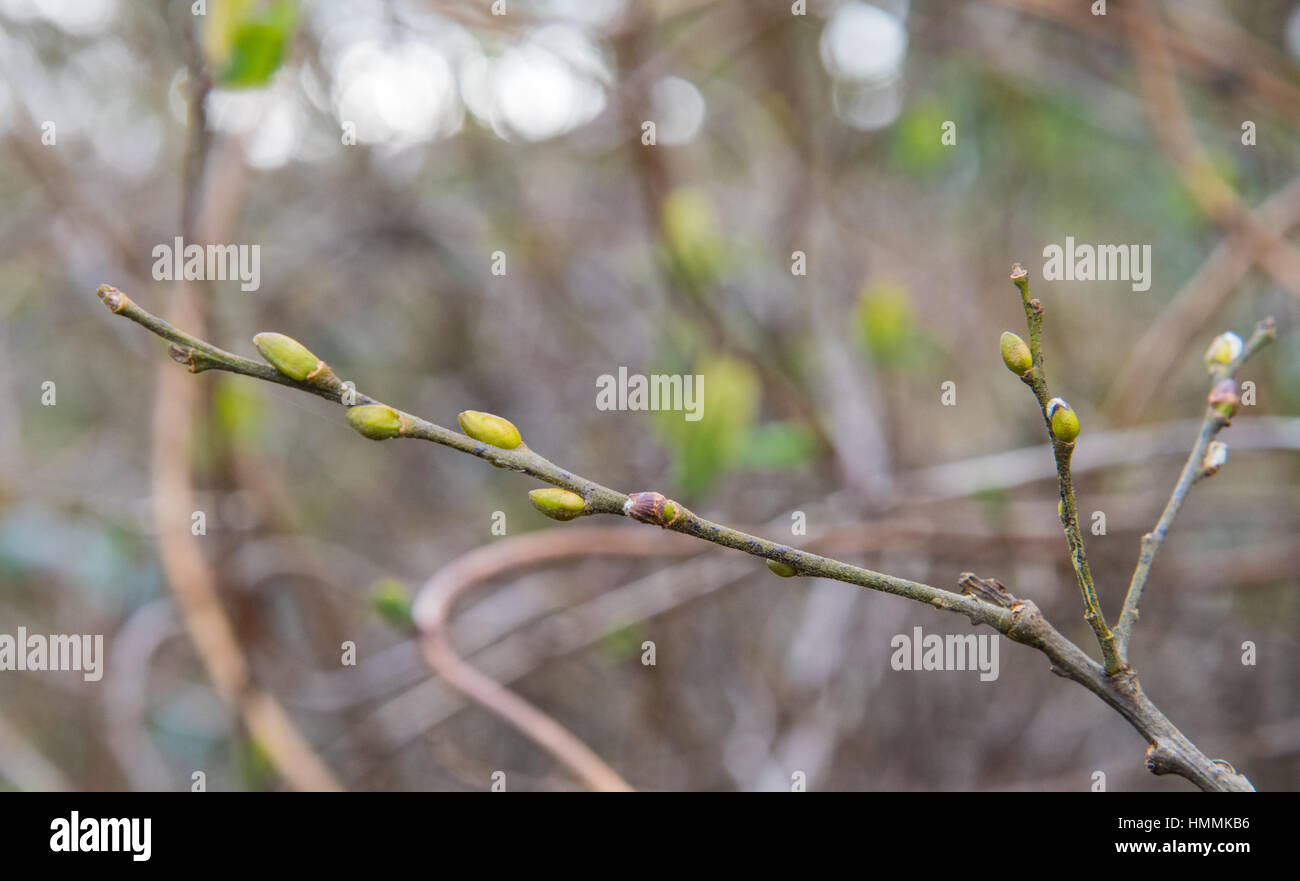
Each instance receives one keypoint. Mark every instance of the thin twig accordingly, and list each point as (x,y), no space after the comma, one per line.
(1036,379)
(1193,470)
(599,499)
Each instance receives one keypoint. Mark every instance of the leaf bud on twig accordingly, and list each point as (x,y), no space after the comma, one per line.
(1224,349)
(376,421)
(1065,424)
(490,429)
(288,356)
(1015,354)
(652,508)
(783,569)
(558,504)
(1223,398)
(1216,456)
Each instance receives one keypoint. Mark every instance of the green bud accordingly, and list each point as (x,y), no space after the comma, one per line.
(490,429)
(1065,424)
(287,355)
(376,421)
(1016,354)
(558,504)
(1223,350)
(392,601)
(782,569)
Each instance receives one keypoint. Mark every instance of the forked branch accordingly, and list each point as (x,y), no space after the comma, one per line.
(1063,428)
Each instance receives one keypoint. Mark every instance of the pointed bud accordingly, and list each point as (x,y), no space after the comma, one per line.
(1016,354)
(558,504)
(783,569)
(376,421)
(652,508)
(1065,424)
(287,355)
(490,429)
(392,601)
(1223,398)
(1223,350)
(1216,456)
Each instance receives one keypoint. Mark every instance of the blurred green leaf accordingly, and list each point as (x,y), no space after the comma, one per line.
(916,145)
(220,24)
(621,643)
(692,248)
(392,601)
(258,44)
(705,449)
(1226,165)
(239,410)
(254,765)
(886,326)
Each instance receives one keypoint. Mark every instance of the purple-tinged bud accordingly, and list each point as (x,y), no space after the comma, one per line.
(652,508)
(1223,398)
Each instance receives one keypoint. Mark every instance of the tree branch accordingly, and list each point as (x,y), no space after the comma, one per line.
(1193,470)
(984,602)
(1036,379)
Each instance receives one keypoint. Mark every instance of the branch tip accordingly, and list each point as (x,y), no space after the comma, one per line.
(111,297)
